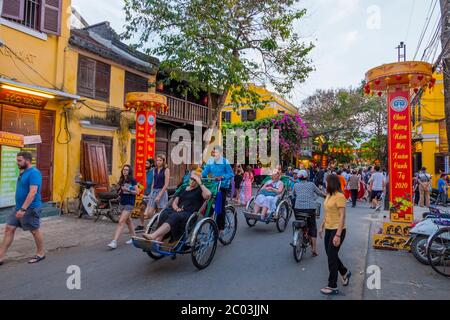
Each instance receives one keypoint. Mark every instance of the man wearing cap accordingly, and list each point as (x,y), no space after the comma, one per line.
(305,202)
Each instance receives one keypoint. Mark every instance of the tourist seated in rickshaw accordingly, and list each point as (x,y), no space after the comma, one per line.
(172,221)
(266,200)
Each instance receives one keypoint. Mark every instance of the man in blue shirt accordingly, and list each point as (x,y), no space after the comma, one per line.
(150,169)
(219,168)
(27,212)
(442,186)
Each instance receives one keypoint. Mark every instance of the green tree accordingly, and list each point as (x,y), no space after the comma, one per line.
(223,45)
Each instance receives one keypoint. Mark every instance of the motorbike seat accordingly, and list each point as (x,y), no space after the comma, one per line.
(87,184)
(106,196)
(299,224)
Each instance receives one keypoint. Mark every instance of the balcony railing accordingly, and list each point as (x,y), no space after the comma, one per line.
(185,111)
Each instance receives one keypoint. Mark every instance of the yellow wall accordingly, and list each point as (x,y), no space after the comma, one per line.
(268,111)
(57,63)
(432,110)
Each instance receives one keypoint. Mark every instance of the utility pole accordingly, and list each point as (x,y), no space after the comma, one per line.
(445,40)
(401,55)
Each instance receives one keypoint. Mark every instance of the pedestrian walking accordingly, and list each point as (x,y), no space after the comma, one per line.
(127,191)
(150,169)
(220,169)
(27,211)
(238,177)
(333,227)
(306,193)
(354,186)
(161,178)
(247,186)
(442,187)
(377,186)
(424,180)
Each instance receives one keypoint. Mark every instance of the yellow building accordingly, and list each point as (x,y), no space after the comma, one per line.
(275,106)
(429,132)
(66,86)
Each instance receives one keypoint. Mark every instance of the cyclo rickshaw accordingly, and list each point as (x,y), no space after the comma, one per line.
(283,211)
(200,234)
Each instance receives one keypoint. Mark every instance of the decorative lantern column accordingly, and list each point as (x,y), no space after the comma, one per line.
(398,81)
(146,106)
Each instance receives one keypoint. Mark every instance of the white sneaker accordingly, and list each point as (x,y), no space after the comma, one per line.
(129,241)
(113,244)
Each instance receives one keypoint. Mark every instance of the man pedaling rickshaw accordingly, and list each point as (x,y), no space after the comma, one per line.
(173,221)
(267,199)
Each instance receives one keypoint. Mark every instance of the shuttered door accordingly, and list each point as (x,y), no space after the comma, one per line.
(10,119)
(96,165)
(45,152)
(102,81)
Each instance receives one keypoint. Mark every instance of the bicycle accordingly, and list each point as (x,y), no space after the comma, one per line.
(438,249)
(301,239)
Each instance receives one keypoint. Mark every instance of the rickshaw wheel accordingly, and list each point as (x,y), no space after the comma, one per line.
(230,226)
(283,216)
(204,243)
(152,226)
(249,208)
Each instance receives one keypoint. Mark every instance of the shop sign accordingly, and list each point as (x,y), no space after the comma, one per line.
(400,153)
(23,100)
(9,173)
(11,139)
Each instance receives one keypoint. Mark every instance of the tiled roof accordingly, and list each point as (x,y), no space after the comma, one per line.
(102,40)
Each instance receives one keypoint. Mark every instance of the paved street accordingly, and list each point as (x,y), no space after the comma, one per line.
(257,265)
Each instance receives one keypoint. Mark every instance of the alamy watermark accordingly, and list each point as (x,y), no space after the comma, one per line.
(197,149)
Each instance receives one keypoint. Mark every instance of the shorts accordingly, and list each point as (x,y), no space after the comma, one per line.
(162,204)
(126,207)
(31,220)
(376,195)
(310,221)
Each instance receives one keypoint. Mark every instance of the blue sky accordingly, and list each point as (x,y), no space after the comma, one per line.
(351,36)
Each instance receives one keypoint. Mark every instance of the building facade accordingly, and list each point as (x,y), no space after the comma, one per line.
(275,106)
(429,131)
(68,86)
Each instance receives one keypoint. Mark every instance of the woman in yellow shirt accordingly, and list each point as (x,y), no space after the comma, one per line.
(333,226)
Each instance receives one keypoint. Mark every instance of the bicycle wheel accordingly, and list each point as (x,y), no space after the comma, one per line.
(298,245)
(283,215)
(230,226)
(438,252)
(204,243)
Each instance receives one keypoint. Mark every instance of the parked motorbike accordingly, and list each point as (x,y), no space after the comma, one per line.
(98,204)
(421,231)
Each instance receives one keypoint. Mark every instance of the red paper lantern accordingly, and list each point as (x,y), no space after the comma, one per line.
(380,94)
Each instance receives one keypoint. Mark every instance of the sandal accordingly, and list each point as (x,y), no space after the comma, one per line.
(36,259)
(314,254)
(346,279)
(329,291)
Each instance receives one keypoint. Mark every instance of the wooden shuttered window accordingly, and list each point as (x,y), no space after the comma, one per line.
(41,15)
(51,16)
(94,79)
(13,9)
(135,83)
